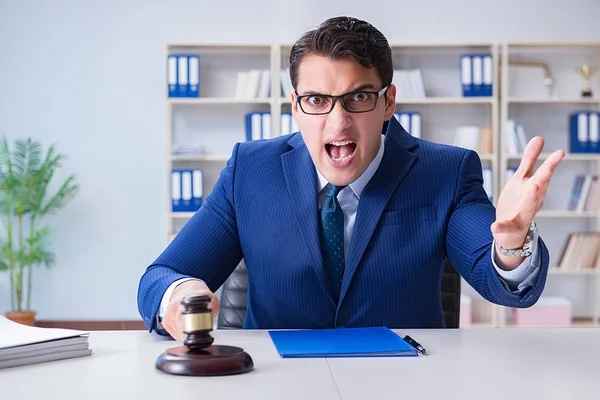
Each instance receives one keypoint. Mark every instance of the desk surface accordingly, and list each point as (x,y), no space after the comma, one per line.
(463,364)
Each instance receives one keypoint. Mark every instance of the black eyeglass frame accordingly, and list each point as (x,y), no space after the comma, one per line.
(334,100)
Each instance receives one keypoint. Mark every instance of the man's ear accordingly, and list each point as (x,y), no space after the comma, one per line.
(390,101)
(294,104)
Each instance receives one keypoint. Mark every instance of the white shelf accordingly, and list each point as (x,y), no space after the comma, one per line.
(440,46)
(552,100)
(448,100)
(567,157)
(567,214)
(216,158)
(554,45)
(216,101)
(232,47)
(182,215)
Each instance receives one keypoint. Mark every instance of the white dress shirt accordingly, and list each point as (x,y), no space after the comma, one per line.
(349,197)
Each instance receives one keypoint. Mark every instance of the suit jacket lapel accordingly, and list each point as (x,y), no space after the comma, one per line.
(301,180)
(395,164)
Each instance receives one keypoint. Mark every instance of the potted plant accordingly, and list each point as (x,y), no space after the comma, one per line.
(25,178)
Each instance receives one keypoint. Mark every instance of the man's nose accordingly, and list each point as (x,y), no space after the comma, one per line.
(338,119)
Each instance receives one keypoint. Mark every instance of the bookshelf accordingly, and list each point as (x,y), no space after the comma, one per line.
(542,107)
(213,122)
(444,109)
(201,131)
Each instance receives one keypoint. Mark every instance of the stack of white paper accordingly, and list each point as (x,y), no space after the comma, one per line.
(23,345)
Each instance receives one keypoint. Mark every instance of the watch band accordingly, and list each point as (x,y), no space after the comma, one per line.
(524,251)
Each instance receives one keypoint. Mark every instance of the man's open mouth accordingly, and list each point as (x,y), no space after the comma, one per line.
(340,151)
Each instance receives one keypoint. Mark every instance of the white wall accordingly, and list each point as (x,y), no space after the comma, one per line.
(89,76)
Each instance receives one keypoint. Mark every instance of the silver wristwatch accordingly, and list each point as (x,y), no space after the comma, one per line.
(527,248)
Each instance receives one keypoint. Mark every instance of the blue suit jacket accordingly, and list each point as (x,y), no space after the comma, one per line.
(426,202)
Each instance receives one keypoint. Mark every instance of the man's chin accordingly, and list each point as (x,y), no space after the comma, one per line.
(340,177)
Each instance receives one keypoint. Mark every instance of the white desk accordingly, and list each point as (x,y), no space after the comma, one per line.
(463,364)
(484,364)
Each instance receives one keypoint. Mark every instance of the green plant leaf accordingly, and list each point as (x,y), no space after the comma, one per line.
(25,177)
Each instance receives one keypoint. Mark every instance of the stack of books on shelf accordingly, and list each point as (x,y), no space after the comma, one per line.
(24,345)
(515,138)
(409,84)
(286,83)
(585,194)
(258,125)
(410,121)
(187,149)
(288,124)
(580,251)
(478,139)
(253,84)
(474,138)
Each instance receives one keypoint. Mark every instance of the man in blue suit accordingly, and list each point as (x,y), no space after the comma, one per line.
(348,222)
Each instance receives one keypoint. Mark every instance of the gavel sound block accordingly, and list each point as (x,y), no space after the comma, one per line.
(199,356)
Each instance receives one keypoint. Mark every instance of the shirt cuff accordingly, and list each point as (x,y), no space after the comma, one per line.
(167,295)
(521,277)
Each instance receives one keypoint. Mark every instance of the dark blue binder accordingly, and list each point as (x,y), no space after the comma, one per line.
(176,198)
(466,73)
(182,76)
(193,76)
(342,342)
(172,76)
(482,69)
(579,137)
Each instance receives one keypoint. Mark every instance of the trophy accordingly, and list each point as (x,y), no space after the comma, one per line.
(587,71)
(199,356)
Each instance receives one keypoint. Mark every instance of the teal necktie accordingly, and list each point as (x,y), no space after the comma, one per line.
(332,238)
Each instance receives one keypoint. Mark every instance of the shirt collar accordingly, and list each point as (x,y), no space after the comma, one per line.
(359,184)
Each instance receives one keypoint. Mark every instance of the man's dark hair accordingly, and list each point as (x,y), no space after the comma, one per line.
(343,38)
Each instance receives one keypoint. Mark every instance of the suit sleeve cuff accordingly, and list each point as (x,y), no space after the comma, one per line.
(167,295)
(521,277)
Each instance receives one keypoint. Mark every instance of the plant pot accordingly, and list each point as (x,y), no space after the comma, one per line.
(23,317)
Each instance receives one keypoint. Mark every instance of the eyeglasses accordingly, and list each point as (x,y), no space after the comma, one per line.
(358,101)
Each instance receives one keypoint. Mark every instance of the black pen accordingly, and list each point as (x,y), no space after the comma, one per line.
(415,344)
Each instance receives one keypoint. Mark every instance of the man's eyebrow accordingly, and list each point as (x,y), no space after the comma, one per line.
(356,89)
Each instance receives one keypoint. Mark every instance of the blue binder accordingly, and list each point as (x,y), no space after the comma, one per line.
(477,75)
(182,76)
(254,125)
(579,132)
(488,75)
(197,189)
(186,190)
(466,75)
(403,118)
(184,196)
(172,76)
(594,132)
(193,76)
(176,200)
(343,342)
